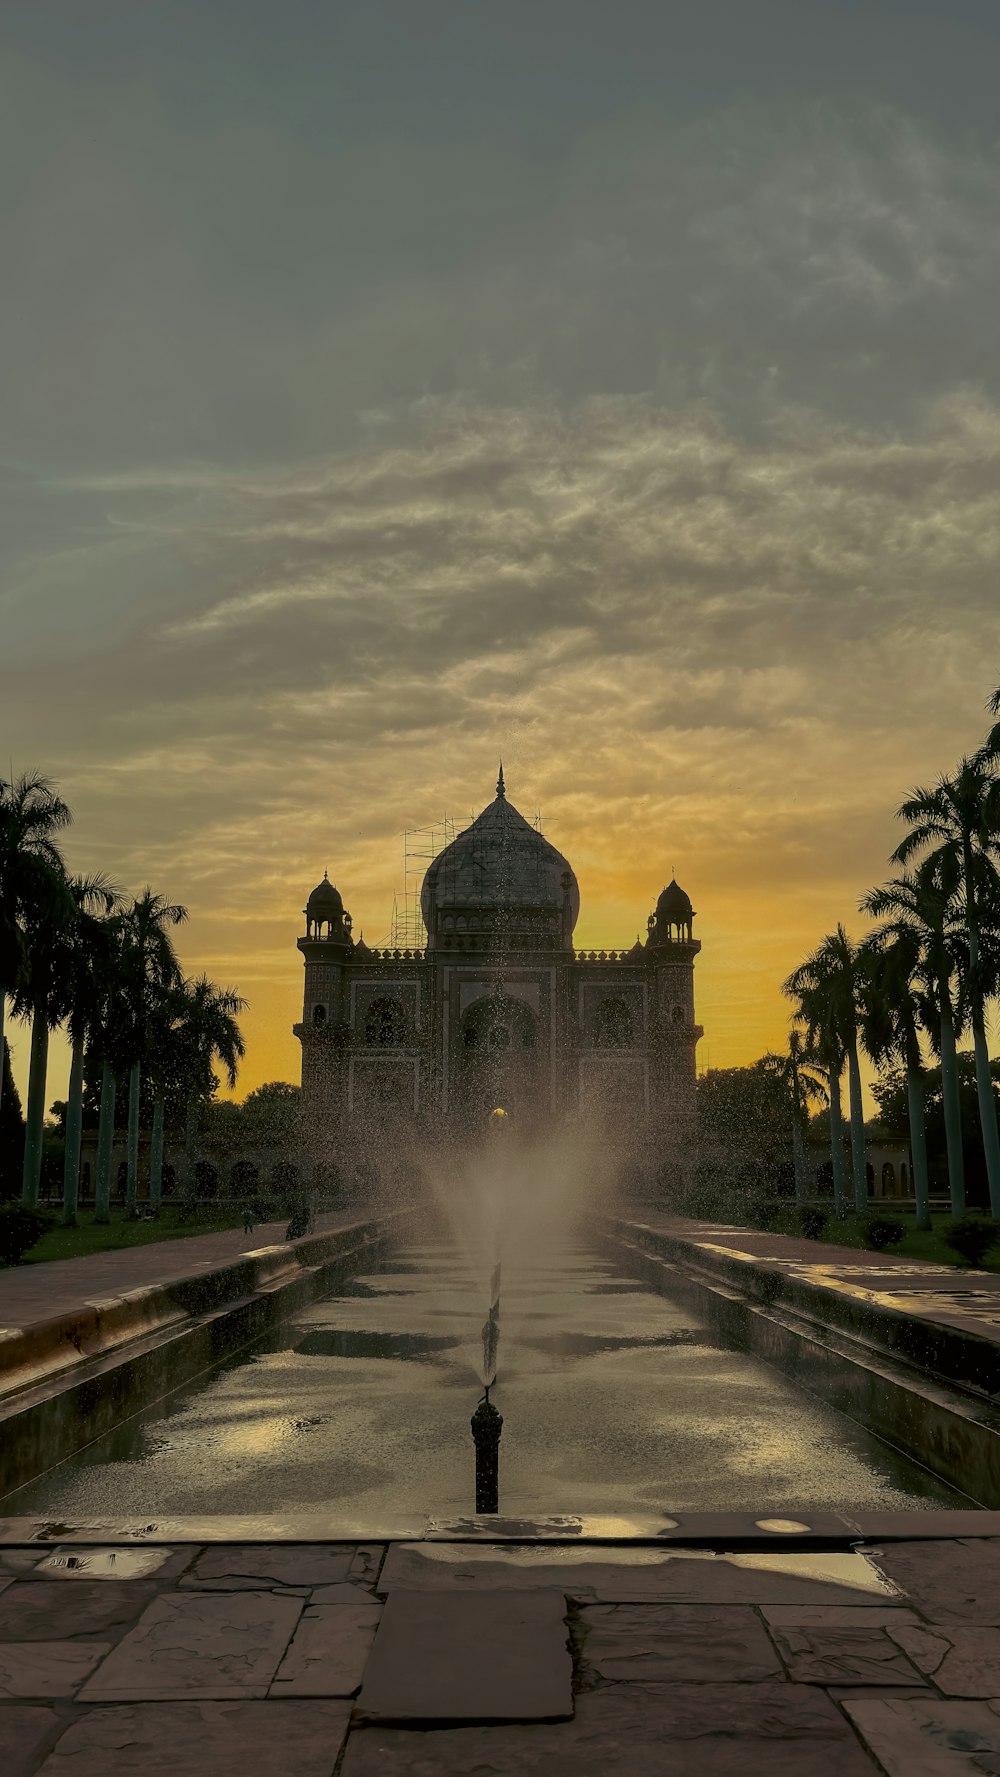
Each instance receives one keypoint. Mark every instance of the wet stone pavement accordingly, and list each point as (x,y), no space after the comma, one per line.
(376,1660)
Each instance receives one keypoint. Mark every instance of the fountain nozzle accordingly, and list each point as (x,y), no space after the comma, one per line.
(487,1425)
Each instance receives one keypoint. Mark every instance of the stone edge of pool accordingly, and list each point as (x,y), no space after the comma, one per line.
(144,1344)
(898,1373)
(728,1531)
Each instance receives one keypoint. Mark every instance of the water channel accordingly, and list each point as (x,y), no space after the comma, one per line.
(615,1400)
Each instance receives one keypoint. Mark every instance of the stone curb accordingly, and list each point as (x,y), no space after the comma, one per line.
(949,1428)
(159,1338)
(958,1355)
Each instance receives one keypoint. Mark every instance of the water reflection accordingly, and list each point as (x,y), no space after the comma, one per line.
(616,1401)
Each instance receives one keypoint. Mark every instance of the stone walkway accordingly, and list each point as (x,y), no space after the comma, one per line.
(427,1659)
(949,1295)
(62,1288)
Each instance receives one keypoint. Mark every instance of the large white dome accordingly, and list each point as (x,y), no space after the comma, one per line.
(501,861)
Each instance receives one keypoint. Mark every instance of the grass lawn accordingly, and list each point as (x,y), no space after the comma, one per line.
(930,1246)
(101,1237)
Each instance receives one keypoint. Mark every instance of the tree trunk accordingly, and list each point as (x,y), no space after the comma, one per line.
(156,1157)
(987,1109)
(132,1158)
(190,1144)
(857,1131)
(34,1132)
(105,1146)
(984,1079)
(837,1147)
(74,1125)
(798,1158)
(952,1105)
(918,1143)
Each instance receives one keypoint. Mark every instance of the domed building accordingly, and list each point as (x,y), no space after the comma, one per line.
(498,1009)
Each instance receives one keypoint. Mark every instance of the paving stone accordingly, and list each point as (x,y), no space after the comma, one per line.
(949,1582)
(37,1610)
(328,1651)
(963,1661)
(928,1737)
(23,1733)
(820,1655)
(199,1647)
(253,1567)
(677,1643)
(348,1593)
(835,1616)
(638,1575)
(634,1730)
(441,1657)
(15,1561)
(102,1564)
(47,1668)
(202,1740)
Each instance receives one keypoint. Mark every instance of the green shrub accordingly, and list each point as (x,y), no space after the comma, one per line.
(971,1239)
(812,1220)
(878,1232)
(21,1228)
(760,1213)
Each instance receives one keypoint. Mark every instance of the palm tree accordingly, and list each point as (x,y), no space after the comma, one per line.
(831,979)
(207,1035)
(149,967)
(31,877)
(923,903)
(991,745)
(803,1078)
(41,996)
(958,823)
(893,996)
(89,951)
(823,1041)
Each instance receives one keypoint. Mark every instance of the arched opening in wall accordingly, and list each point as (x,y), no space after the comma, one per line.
(613,1025)
(244,1178)
(385,1025)
(498,1043)
(904,1178)
(319,1015)
(85,1180)
(206,1179)
(870,1177)
(888,1179)
(677,1015)
(497,1023)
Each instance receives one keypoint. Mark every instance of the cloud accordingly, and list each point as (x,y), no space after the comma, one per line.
(677,484)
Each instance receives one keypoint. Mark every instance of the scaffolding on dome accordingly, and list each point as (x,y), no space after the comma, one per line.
(421,845)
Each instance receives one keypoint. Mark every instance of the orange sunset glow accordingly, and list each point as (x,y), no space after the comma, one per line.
(405,400)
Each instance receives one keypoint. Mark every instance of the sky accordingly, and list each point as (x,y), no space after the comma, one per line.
(389,386)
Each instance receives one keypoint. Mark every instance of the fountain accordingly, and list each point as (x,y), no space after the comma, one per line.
(487,1425)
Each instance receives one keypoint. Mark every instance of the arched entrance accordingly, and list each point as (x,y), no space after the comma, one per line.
(499,1056)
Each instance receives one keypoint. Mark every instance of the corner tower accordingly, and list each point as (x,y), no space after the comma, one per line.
(671,948)
(326,950)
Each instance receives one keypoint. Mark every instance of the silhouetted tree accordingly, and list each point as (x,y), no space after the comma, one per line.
(958,823)
(11,1132)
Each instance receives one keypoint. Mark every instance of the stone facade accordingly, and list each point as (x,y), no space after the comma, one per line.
(498,1010)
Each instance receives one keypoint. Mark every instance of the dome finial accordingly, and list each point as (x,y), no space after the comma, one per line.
(501,786)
